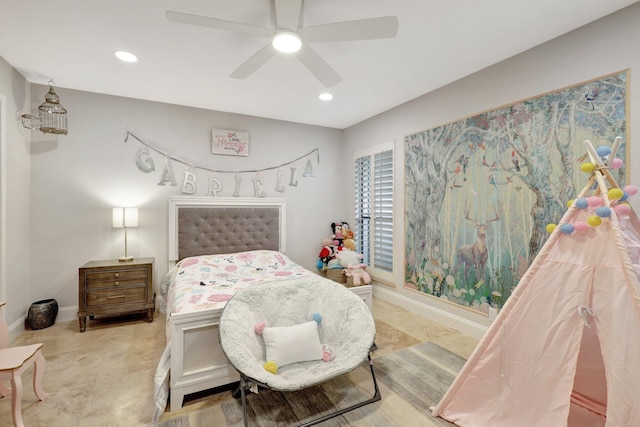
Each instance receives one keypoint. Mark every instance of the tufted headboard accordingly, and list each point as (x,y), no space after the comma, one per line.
(216,225)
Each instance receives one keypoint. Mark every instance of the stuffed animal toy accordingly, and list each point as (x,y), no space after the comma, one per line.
(353,266)
(347,256)
(338,232)
(327,253)
(358,273)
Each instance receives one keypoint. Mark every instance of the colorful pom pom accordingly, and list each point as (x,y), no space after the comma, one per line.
(271,367)
(566,228)
(327,354)
(594,220)
(616,163)
(615,193)
(582,203)
(623,209)
(624,197)
(587,167)
(317,317)
(570,202)
(603,151)
(603,212)
(631,190)
(550,228)
(594,201)
(580,226)
(259,328)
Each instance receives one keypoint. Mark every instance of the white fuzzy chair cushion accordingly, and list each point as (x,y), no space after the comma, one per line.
(347,329)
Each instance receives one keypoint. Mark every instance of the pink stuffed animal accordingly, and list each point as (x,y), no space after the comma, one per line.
(359,274)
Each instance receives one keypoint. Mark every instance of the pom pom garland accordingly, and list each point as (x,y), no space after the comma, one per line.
(594,201)
(594,220)
(580,226)
(587,167)
(259,328)
(603,151)
(582,204)
(550,228)
(603,212)
(616,163)
(624,197)
(623,209)
(570,203)
(631,190)
(271,367)
(615,193)
(566,228)
(317,317)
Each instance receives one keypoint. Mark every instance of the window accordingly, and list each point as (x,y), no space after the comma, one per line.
(373,226)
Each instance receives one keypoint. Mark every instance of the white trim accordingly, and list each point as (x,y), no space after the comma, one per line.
(466,326)
(201,201)
(3,197)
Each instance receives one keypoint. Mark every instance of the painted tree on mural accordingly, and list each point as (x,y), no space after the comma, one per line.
(497,179)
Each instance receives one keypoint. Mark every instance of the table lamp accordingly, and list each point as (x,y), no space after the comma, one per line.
(125,218)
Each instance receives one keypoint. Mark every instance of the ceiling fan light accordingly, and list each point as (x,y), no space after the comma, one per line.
(287,42)
(325,96)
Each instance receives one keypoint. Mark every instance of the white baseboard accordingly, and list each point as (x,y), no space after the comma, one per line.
(454,321)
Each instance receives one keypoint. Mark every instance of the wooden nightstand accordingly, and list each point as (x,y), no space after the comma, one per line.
(112,287)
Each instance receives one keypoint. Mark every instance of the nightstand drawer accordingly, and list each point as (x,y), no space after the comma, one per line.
(105,279)
(106,297)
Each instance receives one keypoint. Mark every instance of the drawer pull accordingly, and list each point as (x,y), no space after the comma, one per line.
(117,275)
(116,283)
(116,296)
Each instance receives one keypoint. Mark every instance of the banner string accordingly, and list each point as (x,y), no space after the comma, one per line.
(175,159)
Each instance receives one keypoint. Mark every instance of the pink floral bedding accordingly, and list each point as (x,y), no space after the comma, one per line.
(209,281)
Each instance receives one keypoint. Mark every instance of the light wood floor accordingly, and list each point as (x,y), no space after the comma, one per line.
(104,377)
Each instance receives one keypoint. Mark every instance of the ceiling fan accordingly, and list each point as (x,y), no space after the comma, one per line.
(288,26)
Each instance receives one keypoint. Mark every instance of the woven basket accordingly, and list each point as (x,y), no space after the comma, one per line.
(349,282)
(322,272)
(336,275)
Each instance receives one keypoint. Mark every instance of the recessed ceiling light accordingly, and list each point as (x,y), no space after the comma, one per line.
(287,42)
(326,96)
(125,56)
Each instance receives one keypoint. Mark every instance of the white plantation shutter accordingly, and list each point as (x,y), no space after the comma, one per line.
(362,227)
(373,226)
(383,211)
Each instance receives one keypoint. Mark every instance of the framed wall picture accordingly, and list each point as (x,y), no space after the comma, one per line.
(229,142)
(480,191)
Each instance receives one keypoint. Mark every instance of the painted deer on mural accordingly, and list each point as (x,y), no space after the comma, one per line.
(477,254)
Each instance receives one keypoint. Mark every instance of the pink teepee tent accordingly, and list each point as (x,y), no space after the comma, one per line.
(565,348)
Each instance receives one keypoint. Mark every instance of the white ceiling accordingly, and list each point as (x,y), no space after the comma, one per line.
(438,42)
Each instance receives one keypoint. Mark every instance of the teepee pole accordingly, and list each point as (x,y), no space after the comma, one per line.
(602,168)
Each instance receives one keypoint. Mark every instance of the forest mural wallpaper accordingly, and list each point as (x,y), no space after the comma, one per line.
(480,191)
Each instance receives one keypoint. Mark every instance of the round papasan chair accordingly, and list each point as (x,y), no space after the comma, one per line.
(286,315)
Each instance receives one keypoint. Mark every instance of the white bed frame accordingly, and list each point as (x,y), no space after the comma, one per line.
(197,360)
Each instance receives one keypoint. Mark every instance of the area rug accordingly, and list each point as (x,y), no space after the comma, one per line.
(418,375)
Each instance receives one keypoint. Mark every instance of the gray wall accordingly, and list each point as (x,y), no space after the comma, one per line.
(15,282)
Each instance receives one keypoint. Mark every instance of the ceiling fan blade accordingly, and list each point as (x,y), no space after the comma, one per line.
(288,14)
(364,29)
(252,64)
(318,66)
(219,24)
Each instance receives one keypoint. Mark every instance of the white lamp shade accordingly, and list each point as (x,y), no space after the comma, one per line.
(125,217)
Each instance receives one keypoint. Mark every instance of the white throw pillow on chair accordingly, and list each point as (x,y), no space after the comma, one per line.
(292,344)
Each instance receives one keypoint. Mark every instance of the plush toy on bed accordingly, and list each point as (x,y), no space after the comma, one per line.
(291,344)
